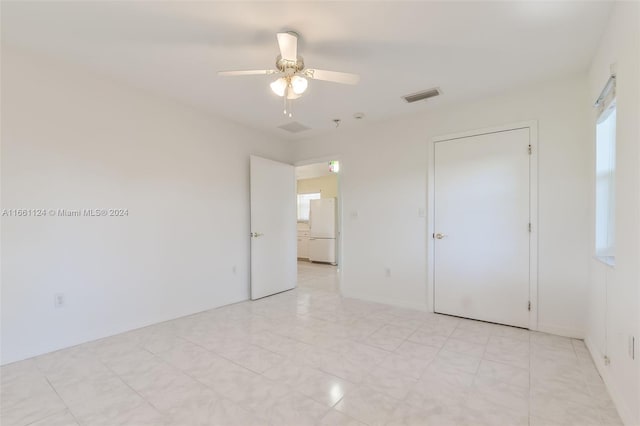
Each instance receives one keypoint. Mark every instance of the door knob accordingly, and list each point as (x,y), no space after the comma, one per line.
(439,236)
(256,234)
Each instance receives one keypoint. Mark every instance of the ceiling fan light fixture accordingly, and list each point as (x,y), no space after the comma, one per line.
(299,84)
(294,77)
(279,86)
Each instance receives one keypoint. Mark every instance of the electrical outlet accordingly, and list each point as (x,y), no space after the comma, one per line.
(422,212)
(354,214)
(58,300)
(387,272)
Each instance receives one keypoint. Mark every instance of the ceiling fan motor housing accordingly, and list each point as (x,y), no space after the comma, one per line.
(289,67)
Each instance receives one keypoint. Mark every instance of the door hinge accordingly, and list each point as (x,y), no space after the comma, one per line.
(530,150)
(529,306)
(529,226)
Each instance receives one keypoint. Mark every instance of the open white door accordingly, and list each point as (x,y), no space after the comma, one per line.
(482,231)
(274,265)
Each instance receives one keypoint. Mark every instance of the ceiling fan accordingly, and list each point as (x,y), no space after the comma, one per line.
(293,76)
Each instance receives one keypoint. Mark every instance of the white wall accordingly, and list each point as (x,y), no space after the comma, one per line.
(614,304)
(384,179)
(73,140)
(327,186)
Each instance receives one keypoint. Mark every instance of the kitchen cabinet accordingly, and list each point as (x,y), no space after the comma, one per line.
(303,244)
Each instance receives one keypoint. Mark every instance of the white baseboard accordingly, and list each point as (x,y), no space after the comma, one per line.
(626,414)
(545,328)
(561,331)
(386,301)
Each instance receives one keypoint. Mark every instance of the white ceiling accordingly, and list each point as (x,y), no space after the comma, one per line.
(468,49)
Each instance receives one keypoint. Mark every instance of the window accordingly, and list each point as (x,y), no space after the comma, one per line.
(605,183)
(304,205)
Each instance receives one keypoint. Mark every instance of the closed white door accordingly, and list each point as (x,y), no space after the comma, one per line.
(273,227)
(481,225)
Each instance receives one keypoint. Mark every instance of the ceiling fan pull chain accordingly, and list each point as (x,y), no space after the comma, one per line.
(287,101)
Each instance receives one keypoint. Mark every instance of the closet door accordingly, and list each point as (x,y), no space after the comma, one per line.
(482,233)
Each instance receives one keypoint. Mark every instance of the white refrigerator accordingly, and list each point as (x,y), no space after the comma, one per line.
(322,230)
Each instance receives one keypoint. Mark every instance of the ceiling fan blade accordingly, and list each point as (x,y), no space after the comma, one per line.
(288,44)
(334,76)
(247,72)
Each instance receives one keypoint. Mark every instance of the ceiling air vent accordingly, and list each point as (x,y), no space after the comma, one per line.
(425,94)
(294,127)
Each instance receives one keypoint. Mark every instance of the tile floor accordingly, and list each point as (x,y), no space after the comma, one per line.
(310,357)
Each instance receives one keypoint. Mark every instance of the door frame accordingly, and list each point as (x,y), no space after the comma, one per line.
(532,125)
(327,158)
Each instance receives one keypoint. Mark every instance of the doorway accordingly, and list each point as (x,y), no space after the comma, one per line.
(317,223)
(483,245)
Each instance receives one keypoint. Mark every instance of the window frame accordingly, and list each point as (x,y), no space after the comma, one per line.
(319,196)
(604,244)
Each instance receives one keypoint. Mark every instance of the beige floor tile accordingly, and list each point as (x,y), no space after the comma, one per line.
(324,388)
(311,357)
(28,399)
(193,360)
(480,337)
(336,418)
(446,360)
(432,415)
(396,331)
(256,393)
(255,358)
(213,410)
(412,368)
(367,405)
(416,350)
(563,411)
(294,409)
(464,347)
(437,387)
(389,383)
(64,418)
(509,351)
(501,394)
(482,412)
(427,338)
(504,373)
(75,391)
(382,341)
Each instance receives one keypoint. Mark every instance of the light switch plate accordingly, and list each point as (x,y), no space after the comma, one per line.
(58,300)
